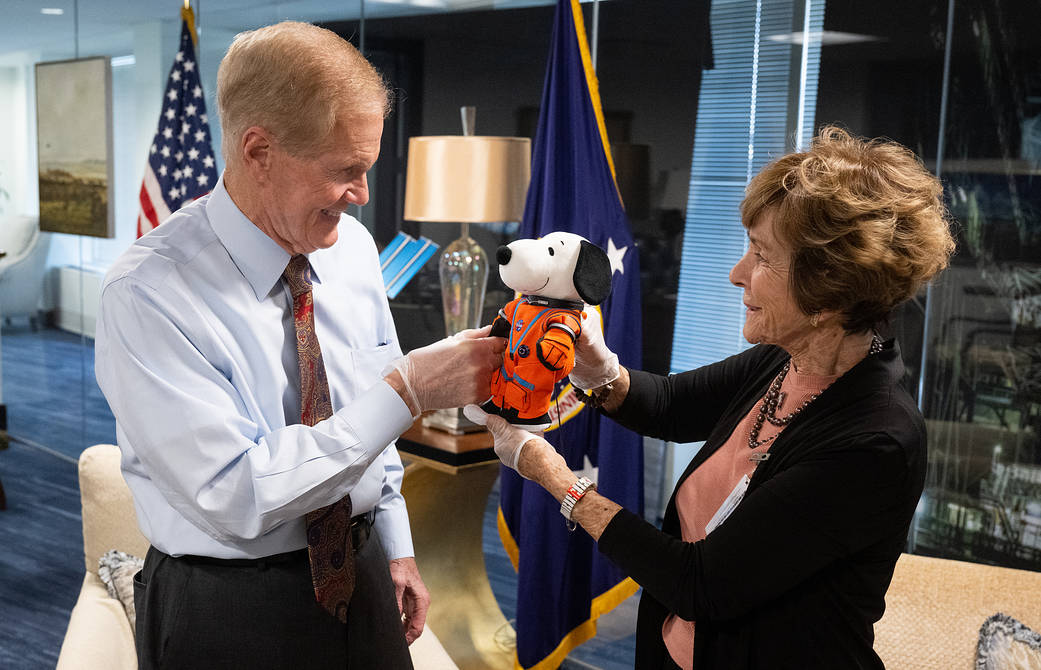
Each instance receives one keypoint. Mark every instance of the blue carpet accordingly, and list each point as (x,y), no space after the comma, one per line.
(54,405)
(41,563)
(51,395)
(614,646)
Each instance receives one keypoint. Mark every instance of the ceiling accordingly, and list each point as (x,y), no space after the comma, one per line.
(106,27)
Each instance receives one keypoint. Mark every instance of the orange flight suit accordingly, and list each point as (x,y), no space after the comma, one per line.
(540,351)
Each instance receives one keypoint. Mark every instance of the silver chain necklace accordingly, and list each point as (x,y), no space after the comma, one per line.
(774,398)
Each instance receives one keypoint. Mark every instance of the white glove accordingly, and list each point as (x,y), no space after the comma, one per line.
(450,372)
(509,440)
(595,364)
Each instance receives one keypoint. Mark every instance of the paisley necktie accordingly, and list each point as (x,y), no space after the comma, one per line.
(328,528)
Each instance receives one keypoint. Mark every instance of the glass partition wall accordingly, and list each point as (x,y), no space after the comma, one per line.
(982,388)
(960,83)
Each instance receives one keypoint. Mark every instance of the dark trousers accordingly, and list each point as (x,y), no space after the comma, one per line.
(199,613)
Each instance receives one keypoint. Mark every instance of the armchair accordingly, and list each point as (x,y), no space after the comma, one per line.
(22,268)
(99,635)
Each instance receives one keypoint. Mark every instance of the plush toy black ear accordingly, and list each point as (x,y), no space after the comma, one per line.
(592,274)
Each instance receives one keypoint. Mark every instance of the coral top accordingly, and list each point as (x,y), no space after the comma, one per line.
(706,489)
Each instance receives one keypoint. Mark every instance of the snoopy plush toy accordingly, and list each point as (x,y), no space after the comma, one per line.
(556,275)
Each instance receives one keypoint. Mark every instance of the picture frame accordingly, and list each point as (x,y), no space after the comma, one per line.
(74,146)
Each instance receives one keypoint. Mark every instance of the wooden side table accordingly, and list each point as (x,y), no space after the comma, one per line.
(446,485)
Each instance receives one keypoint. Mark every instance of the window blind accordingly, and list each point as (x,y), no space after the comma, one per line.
(756,104)
(762,91)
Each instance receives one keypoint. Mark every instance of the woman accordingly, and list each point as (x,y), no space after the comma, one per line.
(782,535)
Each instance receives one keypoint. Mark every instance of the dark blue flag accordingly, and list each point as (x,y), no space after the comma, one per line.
(564,584)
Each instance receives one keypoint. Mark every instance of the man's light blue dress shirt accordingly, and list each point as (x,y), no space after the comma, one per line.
(196,355)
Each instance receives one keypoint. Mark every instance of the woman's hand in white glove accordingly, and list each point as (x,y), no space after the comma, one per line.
(448,373)
(595,364)
(534,458)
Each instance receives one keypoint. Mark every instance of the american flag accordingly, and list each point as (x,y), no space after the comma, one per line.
(180,164)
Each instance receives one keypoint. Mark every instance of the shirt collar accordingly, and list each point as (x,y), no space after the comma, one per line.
(320,262)
(258,257)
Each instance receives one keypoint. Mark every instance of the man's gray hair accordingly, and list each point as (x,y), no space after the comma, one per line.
(295,80)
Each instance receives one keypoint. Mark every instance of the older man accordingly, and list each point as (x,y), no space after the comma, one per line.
(244,347)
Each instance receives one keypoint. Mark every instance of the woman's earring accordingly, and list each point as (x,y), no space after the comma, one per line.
(815,318)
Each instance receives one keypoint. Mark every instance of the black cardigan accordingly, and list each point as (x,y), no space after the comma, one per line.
(797,575)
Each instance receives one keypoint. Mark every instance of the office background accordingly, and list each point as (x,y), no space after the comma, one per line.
(697,95)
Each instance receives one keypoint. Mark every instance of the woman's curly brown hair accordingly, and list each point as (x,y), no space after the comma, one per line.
(865,222)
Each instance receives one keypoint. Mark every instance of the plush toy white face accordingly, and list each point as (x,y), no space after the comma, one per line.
(544,267)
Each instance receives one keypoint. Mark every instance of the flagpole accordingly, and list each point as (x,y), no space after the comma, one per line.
(188,16)
(195,32)
(192,17)
(596,30)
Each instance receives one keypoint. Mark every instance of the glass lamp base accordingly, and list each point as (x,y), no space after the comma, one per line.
(464,277)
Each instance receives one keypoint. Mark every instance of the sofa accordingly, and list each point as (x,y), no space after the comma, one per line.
(935,608)
(99,633)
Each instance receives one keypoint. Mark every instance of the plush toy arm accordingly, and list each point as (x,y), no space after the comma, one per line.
(556,348)
(501,325)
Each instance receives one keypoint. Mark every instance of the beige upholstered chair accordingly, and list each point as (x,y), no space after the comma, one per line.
(935,608)
(99,634)
(23,267)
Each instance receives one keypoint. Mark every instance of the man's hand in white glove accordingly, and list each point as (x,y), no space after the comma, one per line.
(509,439)
(595,364)
(449,373)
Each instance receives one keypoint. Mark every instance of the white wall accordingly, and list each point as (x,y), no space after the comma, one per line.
(14,177)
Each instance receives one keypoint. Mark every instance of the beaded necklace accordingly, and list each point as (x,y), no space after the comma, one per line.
(774,398)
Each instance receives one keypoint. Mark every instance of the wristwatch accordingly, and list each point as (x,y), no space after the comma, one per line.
(573,495)
(594,397)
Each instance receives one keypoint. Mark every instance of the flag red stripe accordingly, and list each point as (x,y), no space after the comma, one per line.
(147,211)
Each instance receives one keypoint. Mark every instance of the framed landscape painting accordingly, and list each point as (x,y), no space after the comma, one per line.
(74,143)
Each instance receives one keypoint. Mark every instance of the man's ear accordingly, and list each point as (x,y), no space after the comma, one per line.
(592,273)
(256,150)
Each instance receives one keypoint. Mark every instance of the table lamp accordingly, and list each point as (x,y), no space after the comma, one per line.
(465,179)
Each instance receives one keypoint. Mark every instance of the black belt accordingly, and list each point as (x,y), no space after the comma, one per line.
(361,528)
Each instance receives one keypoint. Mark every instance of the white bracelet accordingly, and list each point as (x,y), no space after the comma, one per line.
(573,495)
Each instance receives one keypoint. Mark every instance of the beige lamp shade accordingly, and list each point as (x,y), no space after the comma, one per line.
(467,179)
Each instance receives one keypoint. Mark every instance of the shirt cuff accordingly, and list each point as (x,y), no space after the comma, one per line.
(395,534)
(377,416)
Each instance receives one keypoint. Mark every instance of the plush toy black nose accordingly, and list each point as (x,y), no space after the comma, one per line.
(503,255)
